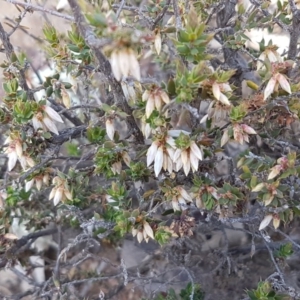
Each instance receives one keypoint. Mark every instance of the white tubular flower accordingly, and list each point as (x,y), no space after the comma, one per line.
(156,98)
(218,88)
(143,233)
(110,129)
(273,84)
(60,191)
(45,119)
(271,54)
(179,198)
(124,63)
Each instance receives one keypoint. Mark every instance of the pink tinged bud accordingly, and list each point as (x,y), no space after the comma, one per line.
(269,88)
(151,153)
(248,129)
(196,151)
(150,106)
(284,83)
(29,185)
(148,230)
(114,61)
(50,125)
(158,163)
(12,160)
(216,90)
(158,102)
(265,222)
(52,114)
(110,129)
(38,184)
(58,196)
(225,138)
(164,96)
(134,66)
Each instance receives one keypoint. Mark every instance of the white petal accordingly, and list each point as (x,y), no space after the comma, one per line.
(185,194)
(187,167)
(170,141)
(150,106)
(134,66)
(194,161)
(158,102)
(171,152)
(110,129)
(19,149)
(265,222)
(140,237)
(269,88)
(204,119)
(58,196)
(38,184)
(216,90)
(176,155)
(29,185)
(50,125)
(158,163)
(53,114)
(53,192)
(178,165)
(184,156)
(224,100)
(196,150)
(148,230)
(225,138)
(12,160)
(284,83)
(68,194)
(114,61)
(147,130)
(124,63)
(146,95)
(164,96)
(151,153)
(37,124)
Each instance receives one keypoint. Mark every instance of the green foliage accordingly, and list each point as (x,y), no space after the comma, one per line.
(284,251)
(264,291)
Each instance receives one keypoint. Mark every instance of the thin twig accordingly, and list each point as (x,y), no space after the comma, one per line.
(29,6)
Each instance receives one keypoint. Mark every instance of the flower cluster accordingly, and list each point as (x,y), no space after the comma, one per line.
(271,54)
(219,90)
(275,80)
(170,155)
(44,119)
(240,134)
(60,191)
(144,232)
(155,98)
(38,180)
(124,63)
(179,197)
(14,151)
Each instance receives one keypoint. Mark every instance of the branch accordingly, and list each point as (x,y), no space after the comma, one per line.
(295,32)
(105,68)
(29,6)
